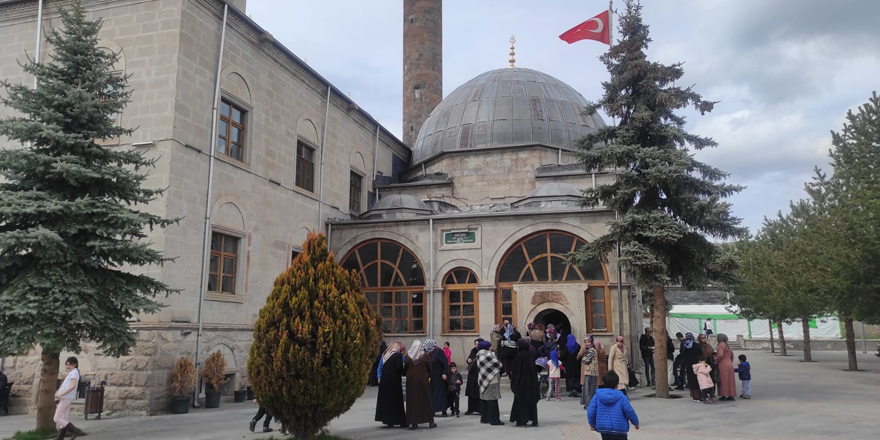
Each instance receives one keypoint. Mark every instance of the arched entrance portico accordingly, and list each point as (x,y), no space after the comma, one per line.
(556,313)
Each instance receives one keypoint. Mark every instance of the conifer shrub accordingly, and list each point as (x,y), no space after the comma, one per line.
(183,378)
(314,342)
(214,370)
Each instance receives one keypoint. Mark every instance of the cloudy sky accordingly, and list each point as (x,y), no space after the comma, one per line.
(785,71)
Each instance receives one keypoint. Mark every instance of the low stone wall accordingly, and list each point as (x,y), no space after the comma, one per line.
(136,384)
(815,344)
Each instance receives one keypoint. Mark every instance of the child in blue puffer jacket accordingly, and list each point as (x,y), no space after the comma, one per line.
(745,375)
(610,412)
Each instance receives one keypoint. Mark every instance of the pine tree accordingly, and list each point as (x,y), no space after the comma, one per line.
(314,342)
(667,202)
(850,200)
(69,227)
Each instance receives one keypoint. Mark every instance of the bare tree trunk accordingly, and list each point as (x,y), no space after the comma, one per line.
(770,327)
(661,379)
(46,394)
(808,351)
(851,344)
(782,349)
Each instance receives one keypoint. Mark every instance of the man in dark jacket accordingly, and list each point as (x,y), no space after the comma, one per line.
(646,347)
(677,373)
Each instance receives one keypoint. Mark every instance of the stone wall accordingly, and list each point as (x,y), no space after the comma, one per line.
(171,50)
(815,344)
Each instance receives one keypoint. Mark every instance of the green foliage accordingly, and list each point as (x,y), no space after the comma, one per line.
(667,201)
(69,223)
(183,378)
(849,202)
(314,342)
(36,434)
(214,370)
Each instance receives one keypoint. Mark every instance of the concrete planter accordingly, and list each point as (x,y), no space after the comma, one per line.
(212,399)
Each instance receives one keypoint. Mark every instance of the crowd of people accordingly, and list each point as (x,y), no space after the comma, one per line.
(599,377)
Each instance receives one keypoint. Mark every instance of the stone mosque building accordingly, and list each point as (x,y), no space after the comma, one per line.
(464,223)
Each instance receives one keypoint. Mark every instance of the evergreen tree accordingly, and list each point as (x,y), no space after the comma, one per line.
(69,226)
(850,202)
(667,202)
(314,342)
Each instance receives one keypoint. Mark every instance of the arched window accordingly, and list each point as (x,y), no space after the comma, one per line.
(542,258)
(393,282)
(461,303)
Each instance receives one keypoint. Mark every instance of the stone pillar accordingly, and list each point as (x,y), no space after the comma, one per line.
(422,63)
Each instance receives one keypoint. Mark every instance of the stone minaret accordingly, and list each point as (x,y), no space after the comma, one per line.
(422,63)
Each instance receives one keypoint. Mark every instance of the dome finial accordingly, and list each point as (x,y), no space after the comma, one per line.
(512,60)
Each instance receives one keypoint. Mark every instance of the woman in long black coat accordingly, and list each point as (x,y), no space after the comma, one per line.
(524,385)
(568,354)
(389,404)
(508,346)
(373,381)
(472,388)
(418,389)
(439,373)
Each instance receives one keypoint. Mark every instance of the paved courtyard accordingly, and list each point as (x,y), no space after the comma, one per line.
(791,400)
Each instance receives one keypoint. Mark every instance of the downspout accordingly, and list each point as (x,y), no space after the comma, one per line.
(37,59)
(323,148)
(207,238)
(376,163)
(431,247)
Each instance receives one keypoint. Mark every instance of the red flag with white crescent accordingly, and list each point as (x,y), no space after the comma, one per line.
(597,28)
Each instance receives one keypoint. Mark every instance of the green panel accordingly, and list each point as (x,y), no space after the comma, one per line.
(468,237)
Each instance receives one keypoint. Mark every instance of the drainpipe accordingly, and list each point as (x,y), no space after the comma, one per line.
(431,235)
(559,157)
(329,230)
(323,148)
(206,246)
(376,162)
(37,59)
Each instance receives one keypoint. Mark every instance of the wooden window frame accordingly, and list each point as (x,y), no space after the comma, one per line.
(548,255)
(221,256)
(590,304)
(299,176)
(355,196)
(241,125)
(470,285)
(394,261)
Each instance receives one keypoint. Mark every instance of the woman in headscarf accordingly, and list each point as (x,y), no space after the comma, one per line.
(603,361)
(690,354)
(373,381)
(439,373)
(617,362)
(568,352)
(709,352)
(389,404)
(589,357)
(489,377)
(550,345)
(724,360)
(472,388)
(418,388)
(524,385)
(537,336)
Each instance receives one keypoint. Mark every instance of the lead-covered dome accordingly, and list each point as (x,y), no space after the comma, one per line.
(506,108)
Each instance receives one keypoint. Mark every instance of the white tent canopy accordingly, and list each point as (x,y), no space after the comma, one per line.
(691,318)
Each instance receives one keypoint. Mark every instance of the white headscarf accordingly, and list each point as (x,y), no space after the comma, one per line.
(416,351)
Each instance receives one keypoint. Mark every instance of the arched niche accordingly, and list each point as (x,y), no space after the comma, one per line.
(229,216)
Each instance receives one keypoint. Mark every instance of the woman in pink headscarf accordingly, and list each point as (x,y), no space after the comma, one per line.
(618,363)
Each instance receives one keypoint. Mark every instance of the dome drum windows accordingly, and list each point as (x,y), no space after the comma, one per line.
(461,307)
(393,283)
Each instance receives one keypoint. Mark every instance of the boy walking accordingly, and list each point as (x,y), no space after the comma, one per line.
(453,386)
(745,375)
(610,412)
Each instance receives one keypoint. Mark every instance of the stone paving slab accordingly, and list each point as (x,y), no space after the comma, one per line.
(791,400)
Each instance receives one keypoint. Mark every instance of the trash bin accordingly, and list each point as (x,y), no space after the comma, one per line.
(94,400)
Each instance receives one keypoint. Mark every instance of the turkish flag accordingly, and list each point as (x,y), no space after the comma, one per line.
(597,28)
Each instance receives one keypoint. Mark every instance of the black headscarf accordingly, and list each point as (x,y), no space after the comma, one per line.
(524,382)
